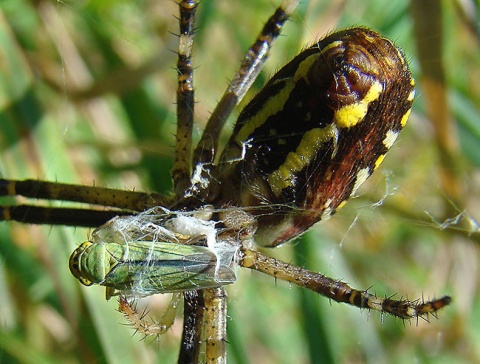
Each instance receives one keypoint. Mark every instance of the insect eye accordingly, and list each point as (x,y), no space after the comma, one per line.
(85,282)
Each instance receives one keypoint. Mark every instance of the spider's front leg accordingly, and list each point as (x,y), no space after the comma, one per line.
(121,202)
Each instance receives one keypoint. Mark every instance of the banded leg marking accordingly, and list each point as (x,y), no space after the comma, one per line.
(339,291)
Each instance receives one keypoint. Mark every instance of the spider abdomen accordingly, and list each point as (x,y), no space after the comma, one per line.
(319,128)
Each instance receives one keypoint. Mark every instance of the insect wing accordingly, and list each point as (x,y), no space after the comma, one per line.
(145,268)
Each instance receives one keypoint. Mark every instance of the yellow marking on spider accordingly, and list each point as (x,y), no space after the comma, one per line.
(404,119)
(336,44)
(277,102)
(343,203)
(311,142)
(350,115)
(379,161)
(269,108)
(305,65)
(351,299)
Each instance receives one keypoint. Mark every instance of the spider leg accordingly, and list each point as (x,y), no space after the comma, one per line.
(127,202)
(339,291)
(31,214)
(185,99)
(149,327)
(193,318)
(194,301)
(251,66)
(215,299)
(216,325)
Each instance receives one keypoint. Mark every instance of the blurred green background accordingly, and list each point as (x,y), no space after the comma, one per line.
(87,96)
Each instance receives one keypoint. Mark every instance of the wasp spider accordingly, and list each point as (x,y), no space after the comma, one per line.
(298,151)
